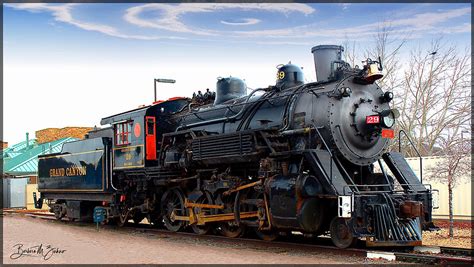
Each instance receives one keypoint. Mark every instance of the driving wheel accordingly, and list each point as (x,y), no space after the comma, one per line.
(232,228)
(172,202)
(205,198)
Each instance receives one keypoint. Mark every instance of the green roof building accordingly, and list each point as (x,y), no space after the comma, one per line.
(22,159)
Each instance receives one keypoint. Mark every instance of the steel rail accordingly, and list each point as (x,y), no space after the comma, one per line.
(449,255)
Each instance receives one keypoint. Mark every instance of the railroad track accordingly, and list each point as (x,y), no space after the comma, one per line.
(457,251)
(447,255)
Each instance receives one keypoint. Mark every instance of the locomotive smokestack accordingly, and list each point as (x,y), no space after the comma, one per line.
(326,58)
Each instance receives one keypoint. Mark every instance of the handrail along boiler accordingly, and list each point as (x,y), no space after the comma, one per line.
(290,157)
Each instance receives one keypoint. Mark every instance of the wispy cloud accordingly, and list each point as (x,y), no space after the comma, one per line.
(345,6)
(170,20)
(241,22)
(423,23)
(463,28)
(430,19)
(63,14)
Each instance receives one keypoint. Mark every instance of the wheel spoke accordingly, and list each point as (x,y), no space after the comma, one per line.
(173,202)
(202,229)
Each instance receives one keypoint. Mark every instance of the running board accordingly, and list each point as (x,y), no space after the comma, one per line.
(403,172)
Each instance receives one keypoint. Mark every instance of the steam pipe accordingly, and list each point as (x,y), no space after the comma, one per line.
(225,118)
(107,155)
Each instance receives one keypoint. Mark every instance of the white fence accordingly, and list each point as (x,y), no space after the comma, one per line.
(462,192)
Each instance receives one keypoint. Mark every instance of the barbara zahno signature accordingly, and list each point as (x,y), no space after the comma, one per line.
(43,251)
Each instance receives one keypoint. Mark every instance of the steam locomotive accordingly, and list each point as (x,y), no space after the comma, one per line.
(292,157)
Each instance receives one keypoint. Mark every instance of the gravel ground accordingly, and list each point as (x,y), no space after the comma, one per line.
(74,244)
(462,238)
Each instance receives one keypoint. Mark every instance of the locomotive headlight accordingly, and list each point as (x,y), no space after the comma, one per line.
(388,117)
(388,121)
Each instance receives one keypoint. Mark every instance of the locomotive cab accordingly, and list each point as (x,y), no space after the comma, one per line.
(128,150)
(137,133)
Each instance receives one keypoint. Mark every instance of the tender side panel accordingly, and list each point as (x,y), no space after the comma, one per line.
(81,166)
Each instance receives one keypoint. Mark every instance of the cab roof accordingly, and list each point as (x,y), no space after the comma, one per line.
(138,112)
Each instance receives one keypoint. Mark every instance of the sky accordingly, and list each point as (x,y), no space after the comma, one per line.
(73,64)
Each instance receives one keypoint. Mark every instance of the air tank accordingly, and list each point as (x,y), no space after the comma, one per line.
(325,59)
(229,88)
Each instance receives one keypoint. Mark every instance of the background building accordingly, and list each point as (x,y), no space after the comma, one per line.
(462,197)
(20,163)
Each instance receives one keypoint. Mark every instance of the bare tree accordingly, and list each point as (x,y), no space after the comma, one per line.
(386,46)
(434,96)
(350,52)
(456,153)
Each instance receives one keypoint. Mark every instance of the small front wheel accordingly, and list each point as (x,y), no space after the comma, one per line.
(341,234)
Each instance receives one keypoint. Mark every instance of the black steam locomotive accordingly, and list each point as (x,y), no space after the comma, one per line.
(289,157)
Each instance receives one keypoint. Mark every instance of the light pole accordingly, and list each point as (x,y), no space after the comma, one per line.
(162,81)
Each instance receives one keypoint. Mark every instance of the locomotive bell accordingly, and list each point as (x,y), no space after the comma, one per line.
(289,75)
(229,88)
(372,70)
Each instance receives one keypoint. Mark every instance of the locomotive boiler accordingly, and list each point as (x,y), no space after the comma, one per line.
(290,157)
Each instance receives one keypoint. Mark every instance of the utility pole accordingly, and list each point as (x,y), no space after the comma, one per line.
(162,81)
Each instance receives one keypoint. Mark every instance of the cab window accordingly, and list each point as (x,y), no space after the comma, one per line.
(123,133)
(150,126)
